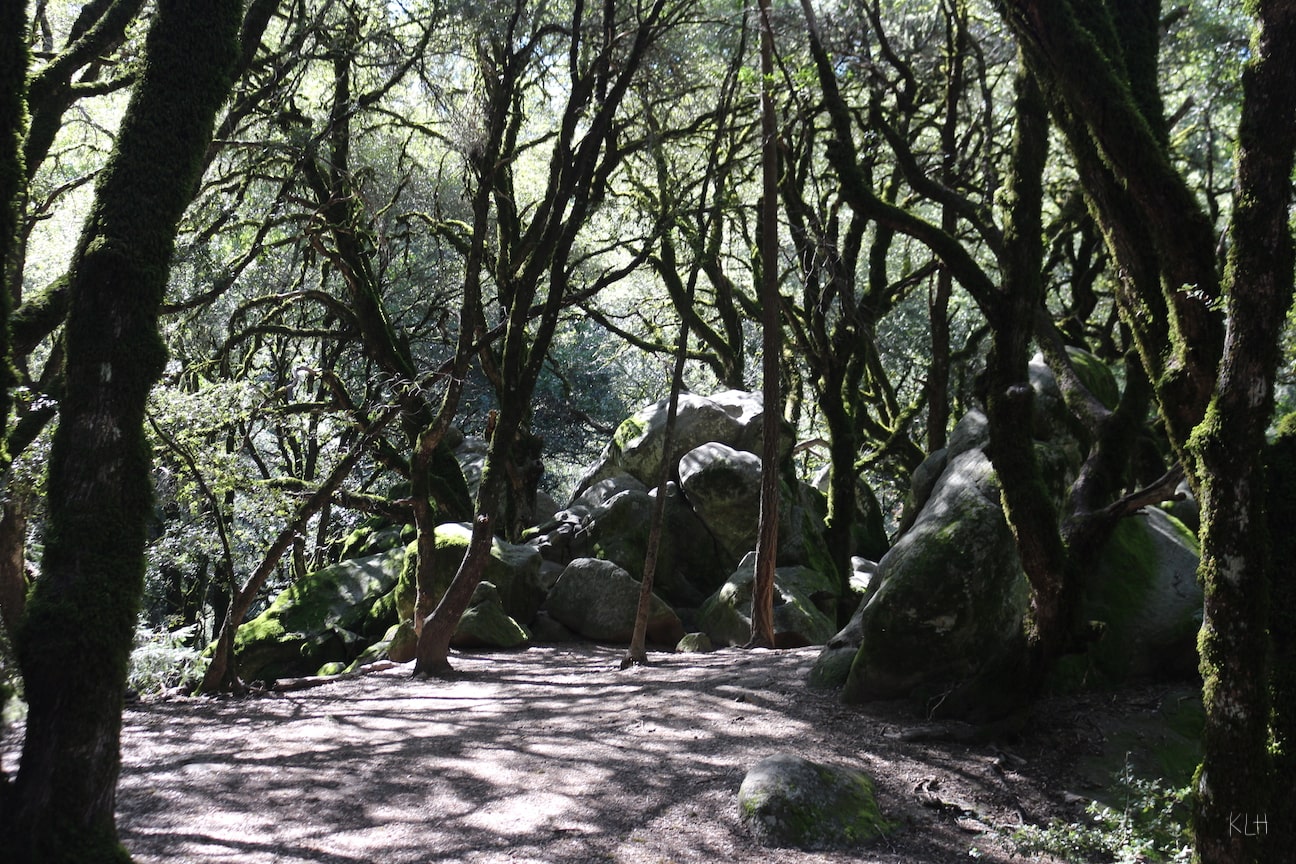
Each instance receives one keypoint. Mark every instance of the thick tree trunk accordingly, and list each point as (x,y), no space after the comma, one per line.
(80,623)
(1235,783)
(13,563)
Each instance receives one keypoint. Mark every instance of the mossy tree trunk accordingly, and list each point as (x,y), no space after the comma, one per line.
(76,639)
(1237,571)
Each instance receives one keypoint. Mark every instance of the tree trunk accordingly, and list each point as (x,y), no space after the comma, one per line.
(80,623)
(13,563)
(762,612)
(1236,781)
(637,653)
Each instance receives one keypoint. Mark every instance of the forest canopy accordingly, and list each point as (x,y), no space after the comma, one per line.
(268,263)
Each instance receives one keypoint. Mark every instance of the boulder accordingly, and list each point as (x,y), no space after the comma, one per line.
(694,643)
(485,624)
(1145,591)
(731,417)
(690,561)
(321,619)
(801,596)
(723,485)
(788,801)
(514,569)
(949,595)
(598,600)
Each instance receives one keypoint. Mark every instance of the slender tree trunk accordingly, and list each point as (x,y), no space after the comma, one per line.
(762,614)
(222,672)
(77,637)
(13,179)
(637,653)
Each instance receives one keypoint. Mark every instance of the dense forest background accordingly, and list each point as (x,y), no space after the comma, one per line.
(261,257)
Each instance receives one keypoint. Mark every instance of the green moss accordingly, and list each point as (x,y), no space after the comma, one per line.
(630,429)
(1096,376)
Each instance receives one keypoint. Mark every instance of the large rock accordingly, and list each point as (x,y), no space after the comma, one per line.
(598,600)
(801,596)
(731,417)
(723,485)
(950,594)
(485,624)
(1146,593)
(514,569)
(786,800)
(690,562)
(322,618)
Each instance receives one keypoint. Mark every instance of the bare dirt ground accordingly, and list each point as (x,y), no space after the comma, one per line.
(553,755)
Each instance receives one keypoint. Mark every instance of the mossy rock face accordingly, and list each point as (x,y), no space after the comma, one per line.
(373,537)
(1145,591)
(799,620)
(950,595)
(788,801)
(695,643)
(598,600)
(688,558)
(316,620)
(485,624)
(723,485)
(1096,375)
(513,569)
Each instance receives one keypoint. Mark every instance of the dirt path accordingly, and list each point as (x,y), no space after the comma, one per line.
(549,755)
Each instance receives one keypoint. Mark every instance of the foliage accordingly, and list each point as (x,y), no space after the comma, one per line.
(163,659)
(1147,825)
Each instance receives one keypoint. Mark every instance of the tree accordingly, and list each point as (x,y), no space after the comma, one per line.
(1213,377)
(80,622)
(537,259)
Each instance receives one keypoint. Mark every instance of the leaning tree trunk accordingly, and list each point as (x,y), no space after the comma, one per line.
(80,622)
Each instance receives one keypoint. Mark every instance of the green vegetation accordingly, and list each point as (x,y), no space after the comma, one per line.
(364,270)
(1146,823)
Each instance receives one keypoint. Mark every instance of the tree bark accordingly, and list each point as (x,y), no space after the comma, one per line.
(1236,775)
(762,611)
(80,622)
(637,652)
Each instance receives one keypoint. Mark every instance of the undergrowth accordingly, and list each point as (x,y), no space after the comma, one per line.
(1148,826)
(164,659)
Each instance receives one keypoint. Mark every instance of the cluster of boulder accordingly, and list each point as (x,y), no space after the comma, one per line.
(577,574)
(945,596)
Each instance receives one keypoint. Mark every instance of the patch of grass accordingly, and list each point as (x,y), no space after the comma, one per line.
(1149,826)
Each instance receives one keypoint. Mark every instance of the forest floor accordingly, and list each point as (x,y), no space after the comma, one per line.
(554,755)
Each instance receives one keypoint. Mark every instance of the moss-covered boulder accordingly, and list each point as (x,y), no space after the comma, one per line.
(514,569)
(802,599)
(598,600)
(322,618)
(788,801)
(731,417)
(690,562)
(950,594)
(1145,591)
(485,624)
